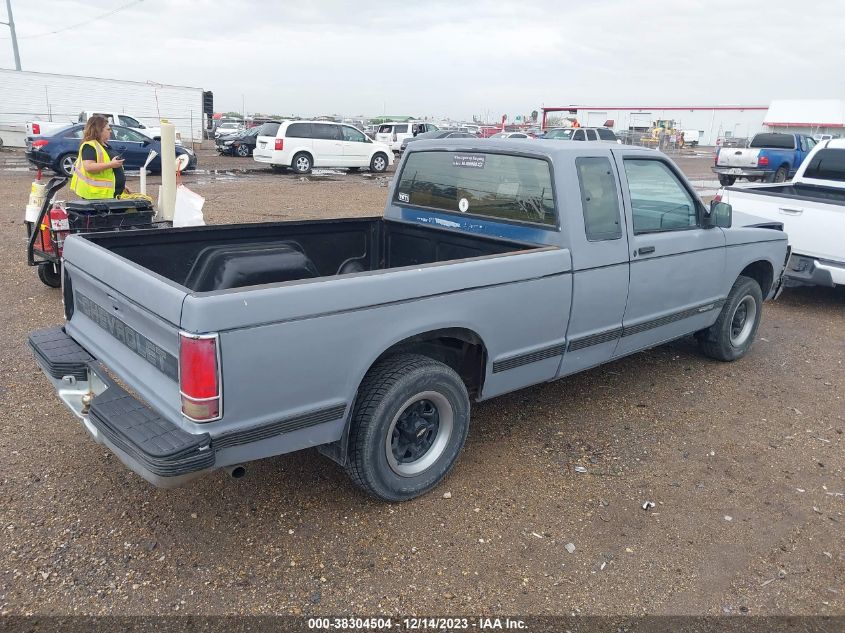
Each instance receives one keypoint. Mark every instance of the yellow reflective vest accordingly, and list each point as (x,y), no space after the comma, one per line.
(93,186)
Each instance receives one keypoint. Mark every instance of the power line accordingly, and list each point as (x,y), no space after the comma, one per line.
(78,24)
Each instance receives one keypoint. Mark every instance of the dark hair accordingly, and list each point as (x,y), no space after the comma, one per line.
(94,128)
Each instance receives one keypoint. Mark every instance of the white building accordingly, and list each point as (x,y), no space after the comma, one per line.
(807,116)
(711,122)
(27,96)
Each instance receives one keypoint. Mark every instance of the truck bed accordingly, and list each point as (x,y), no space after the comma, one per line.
(798,191)
(214,258)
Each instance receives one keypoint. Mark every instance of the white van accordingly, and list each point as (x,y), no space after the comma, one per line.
(302,145)
(393,133)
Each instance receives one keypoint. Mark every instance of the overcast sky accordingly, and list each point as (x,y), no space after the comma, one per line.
(449,58)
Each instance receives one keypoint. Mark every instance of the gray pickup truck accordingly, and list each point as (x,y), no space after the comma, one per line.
(497,265)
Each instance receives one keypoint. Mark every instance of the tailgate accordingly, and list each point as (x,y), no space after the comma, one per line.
(128,318)
(737,157)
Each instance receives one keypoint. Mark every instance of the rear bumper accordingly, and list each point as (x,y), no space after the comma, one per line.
(740,171)
(803,270)
(39,159)
(148,444)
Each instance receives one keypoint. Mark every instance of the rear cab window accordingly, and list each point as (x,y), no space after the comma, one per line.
(498,186)
(773,141)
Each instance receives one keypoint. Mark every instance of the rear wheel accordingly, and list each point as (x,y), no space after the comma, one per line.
(781,174)
(301,163)
(50,274)
(378,163)
(732,335)
(410,422)
(727,181)
(66,163)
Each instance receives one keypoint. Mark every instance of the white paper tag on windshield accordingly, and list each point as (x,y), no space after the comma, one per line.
(463,205)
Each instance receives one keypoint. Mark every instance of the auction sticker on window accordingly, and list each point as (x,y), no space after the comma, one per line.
(469,160)
(463,205)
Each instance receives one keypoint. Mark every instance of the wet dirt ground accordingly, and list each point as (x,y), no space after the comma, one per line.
(744,463)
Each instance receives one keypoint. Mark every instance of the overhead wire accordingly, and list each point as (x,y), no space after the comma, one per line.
(78,24)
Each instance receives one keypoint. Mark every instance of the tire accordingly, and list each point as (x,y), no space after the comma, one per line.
(429,402)
(378,164)
(781,174)
(302,163)
(50,274)
(242,151)
(65,165)
(727,181)
(732,335)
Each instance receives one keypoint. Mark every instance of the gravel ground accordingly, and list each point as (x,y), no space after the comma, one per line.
(744,463)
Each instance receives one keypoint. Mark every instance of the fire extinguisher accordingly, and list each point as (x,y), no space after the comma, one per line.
(54,230)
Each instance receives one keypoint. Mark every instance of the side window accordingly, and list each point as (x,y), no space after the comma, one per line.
(606,135)
(599,198)
(811,142)
(578,135)
(591,135)
(299,130)
(326,132)
(400,129)
(128,121)
(351,134)
(659,201)
(803,144)
(125,134)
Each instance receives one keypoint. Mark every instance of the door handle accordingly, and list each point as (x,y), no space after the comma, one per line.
(645,250)
(788,211)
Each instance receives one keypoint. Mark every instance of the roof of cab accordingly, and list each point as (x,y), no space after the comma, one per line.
(540,147)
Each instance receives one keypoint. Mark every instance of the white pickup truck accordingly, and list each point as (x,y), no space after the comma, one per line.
(812,211)
(46,128)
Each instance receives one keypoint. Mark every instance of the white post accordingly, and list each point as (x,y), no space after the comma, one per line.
(168,171)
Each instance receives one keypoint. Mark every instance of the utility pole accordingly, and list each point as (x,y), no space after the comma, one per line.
(11,25)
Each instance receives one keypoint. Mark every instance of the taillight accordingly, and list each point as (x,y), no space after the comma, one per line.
(40,143)
(763,160)
(280,144)
(199,376)
(36,129)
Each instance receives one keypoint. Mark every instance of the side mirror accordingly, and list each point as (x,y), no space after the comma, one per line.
(145,142)
(719,214)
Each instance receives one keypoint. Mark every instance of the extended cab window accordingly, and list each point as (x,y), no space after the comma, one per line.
(591,135)
(515,188)
(659,201)
(606,135)
(827,164)
(578,135)
(599,198)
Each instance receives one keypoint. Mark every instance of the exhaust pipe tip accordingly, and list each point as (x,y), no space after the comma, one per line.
(237,471)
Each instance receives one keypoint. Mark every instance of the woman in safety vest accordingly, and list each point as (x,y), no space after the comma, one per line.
(95,174)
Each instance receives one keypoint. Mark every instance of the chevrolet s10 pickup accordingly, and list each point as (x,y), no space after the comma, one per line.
(497,264)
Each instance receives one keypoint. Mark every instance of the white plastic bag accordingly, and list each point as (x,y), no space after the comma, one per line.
(188,208)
